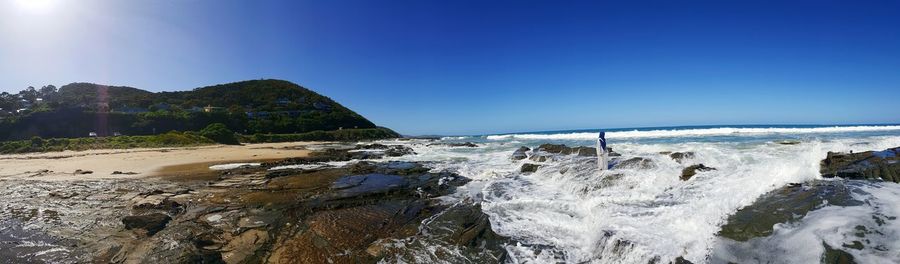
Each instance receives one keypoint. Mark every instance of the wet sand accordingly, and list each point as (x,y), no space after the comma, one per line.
(140,163)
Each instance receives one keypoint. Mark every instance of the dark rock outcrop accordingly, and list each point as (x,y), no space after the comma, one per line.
(836,256)
(520,153)
(566,150)
(679,156)
(555,148)
(692,170)
(787,142)
(463,144)
(634,163)
(540,157)
(389,150)
(785,205)
(871,165)
(151,223)
(528,167)
(585,151)
(346,154)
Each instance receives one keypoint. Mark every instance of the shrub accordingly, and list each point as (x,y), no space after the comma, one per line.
(220,134)
(37,142)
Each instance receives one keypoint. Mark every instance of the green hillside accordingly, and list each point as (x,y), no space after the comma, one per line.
(247,107)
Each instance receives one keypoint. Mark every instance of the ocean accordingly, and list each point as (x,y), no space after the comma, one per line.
(569,212)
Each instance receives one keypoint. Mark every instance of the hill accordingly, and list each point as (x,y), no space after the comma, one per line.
(247,107)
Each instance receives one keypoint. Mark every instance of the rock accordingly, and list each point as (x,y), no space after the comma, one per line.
(159,202)
(585,151)
(681,260)
(467,227)
(871,165)
(787,142)
(520,153)
(540,157)
(679,156)
(244,246)
(389,150)
(692,170)
(63,195)
(634,163)
(613,153)
(397,151)
(376,249)
(565,150)
(555,149)
(836,256)
(466,144)
(528,167)
(357,185)
(152,223)
(124,173)
(785,205)
(362,167)
(82,172)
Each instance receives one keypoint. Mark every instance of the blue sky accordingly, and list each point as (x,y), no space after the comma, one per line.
(468,67)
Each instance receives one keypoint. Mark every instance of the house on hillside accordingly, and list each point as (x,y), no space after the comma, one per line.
(25,103)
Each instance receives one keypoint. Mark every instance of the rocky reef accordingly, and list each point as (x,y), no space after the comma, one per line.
(273,213)
(883,165)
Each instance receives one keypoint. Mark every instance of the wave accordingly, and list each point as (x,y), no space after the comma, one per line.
(702,132)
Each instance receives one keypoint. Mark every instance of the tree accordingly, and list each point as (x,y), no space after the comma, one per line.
(29,94)
(47,90)
(8,102)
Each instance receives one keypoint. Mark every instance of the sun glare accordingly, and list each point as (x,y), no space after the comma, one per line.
(36,5)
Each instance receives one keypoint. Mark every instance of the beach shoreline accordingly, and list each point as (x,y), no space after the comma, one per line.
(140,163)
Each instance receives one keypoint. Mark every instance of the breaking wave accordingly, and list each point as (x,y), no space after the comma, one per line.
(695,132)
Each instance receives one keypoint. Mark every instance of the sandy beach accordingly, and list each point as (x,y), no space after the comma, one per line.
(137,163)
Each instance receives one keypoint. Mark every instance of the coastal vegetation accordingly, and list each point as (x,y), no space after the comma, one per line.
(82,116)
(247,107)
(169,139)
(215,133)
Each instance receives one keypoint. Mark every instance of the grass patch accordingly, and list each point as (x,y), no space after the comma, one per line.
(170,139)
(336,135)
(184,139)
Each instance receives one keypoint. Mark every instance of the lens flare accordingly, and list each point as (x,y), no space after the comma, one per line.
(38,6)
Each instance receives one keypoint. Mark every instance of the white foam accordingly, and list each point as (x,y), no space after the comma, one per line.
(313,166)
(231,166)
(722,131)
(299,166)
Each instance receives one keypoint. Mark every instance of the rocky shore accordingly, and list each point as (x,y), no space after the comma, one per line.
(789,204)
(297,210)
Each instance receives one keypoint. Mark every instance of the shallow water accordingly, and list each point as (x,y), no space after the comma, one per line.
(569,212)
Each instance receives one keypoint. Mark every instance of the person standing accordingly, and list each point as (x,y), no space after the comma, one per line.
(602,153)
